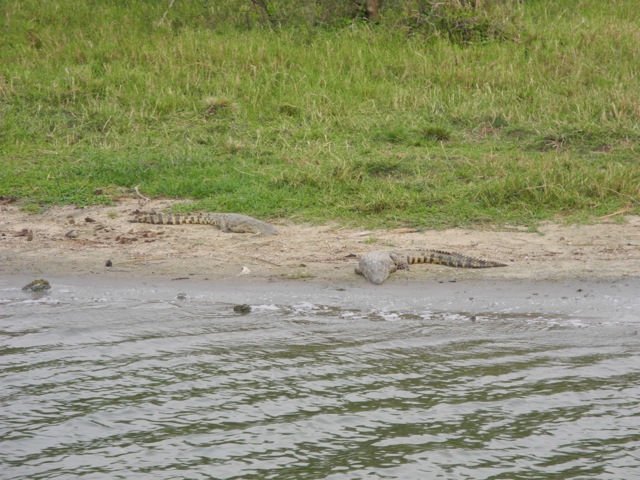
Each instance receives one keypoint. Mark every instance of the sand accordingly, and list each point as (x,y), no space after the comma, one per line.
(80,241)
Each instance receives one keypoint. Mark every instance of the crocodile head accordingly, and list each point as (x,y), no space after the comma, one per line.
(375,272)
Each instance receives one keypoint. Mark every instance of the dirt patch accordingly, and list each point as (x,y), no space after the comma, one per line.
(71,241)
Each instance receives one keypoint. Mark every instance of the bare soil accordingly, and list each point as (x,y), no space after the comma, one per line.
(72,241)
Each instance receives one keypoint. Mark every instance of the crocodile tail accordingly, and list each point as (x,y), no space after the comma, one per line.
(450,259)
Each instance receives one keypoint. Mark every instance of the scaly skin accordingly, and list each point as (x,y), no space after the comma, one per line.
(227,222)
(376,266)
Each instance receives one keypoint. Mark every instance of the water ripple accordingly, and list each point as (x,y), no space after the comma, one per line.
(169,390)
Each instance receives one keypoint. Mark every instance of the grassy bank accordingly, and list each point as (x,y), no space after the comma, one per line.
(369,125)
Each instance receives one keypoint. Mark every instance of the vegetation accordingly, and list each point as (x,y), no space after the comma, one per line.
(441,114)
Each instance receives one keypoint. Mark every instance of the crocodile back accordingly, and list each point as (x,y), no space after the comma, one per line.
(169,219)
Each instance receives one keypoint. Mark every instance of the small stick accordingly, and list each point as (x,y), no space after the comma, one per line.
(619,212)
(167,11)
(142,199)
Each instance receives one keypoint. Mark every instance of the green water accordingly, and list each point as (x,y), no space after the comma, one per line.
(167,382)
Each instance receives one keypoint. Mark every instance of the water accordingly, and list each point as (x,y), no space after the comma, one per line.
(469,381)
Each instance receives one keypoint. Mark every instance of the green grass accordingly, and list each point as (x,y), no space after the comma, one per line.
(368,125)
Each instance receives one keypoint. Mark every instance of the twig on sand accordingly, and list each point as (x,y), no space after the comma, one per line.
(142,200)
(619,212)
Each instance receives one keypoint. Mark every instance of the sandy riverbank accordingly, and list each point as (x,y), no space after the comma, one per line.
(71,241)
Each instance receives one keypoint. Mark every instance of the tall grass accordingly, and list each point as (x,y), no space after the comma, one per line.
(393,124)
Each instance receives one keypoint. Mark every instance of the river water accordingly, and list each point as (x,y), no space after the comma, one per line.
(144,380)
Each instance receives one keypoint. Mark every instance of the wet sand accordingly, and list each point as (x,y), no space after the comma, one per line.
(590,300)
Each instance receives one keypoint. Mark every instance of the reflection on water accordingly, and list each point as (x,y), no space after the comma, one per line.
(121,386)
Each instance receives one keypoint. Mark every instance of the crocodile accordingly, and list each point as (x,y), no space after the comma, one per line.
(377,265)
(227,222)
